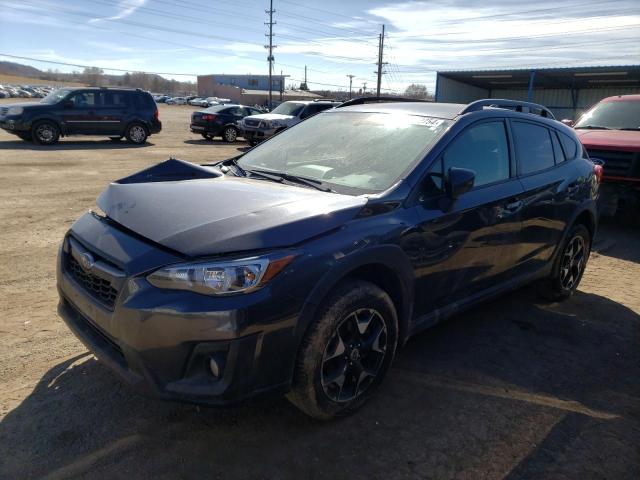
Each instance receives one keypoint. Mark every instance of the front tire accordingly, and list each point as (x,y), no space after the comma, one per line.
(136,134)
(569,265)
(230,134)
(346,352)
(45,132)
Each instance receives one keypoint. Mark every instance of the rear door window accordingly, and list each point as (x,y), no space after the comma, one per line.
(84,100)
(115,99)
(534,149)
(482,148)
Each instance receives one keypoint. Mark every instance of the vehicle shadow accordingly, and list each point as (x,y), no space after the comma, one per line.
(514,389)
(612,239)
(71,145)
(215,141)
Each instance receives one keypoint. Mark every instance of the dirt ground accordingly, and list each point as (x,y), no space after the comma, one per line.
(515,389)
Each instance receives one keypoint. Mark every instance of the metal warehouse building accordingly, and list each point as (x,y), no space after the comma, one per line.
(568,92)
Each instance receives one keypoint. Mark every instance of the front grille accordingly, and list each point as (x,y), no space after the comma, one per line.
(98,287)
(251,123)
(616,163)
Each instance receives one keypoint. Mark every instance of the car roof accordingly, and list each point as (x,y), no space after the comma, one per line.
(428,109)
(622,98)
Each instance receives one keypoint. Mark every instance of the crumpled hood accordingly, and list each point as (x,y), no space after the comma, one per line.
(270,116)
(208,216)
(625,140)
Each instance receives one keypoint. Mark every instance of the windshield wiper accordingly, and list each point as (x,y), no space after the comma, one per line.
(281,176)
(593,127)
(310,182)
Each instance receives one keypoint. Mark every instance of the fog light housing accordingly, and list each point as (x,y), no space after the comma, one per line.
(214,367)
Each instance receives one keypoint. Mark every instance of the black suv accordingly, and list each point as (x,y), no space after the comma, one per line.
(221,121)
(303,264)
(113,112)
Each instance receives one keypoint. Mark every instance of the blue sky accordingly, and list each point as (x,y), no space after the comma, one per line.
(333,38)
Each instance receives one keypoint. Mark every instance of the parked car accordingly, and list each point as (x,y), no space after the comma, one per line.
(112,112)
(176,101)
(264,125)
(220,121)
(302,265)
(610,131)
(198,102)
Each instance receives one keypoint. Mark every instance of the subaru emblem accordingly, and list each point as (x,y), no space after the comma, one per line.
(86,261)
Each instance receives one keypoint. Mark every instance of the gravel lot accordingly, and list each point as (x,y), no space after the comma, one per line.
(516,388)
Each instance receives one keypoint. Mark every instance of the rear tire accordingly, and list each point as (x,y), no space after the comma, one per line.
(136,133)
(45,132)
(346,352)
(569,266)
(230,134)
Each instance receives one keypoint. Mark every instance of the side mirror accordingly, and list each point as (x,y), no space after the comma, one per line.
(459,181)
(68,104)
(568,122)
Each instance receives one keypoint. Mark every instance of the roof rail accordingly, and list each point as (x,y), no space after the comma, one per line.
(363,100)
(515,105)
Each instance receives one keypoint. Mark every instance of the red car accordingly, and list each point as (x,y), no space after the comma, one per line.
(610,131)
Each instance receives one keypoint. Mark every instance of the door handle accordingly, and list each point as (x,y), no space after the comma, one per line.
(573,188)
(513,206)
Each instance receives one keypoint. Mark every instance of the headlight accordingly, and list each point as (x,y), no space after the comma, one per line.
(15,111)
(220,278)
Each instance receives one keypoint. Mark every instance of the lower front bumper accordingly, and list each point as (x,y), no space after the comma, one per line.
(234,358)
(14,126)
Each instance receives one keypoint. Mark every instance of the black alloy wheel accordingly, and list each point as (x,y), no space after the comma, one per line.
(353,355)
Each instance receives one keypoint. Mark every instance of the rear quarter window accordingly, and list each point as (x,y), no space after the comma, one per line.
(534,149)
(568,145)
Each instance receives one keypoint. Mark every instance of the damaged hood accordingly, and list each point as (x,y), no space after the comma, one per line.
(197,211)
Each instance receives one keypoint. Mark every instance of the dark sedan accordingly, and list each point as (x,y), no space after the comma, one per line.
(221,121)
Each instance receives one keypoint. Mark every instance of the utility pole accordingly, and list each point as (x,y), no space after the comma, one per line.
(364,88)
(271,46)
(281,85)
(350,82)
(380,62)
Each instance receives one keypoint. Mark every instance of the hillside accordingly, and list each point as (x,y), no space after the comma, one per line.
(11,72)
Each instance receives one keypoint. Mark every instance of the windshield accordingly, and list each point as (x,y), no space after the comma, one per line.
(56,96)
(614,115)
(288,108)
(351,152)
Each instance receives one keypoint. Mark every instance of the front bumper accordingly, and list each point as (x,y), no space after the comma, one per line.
(14,126)
(161,341)
(257,133)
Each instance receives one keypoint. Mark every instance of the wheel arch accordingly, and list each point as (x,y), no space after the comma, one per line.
(384,266)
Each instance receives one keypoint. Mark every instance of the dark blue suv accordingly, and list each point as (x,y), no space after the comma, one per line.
(301,266)
(112,112)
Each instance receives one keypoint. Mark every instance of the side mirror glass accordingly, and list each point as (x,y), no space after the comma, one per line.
(459,181)
(568,122)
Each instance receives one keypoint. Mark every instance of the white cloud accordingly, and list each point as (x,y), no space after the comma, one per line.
(125,7)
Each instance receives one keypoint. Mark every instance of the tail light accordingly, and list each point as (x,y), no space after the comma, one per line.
(598,169)
(207,117)
(156,114)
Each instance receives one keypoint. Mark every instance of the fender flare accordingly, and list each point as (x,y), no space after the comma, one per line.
(389,257)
